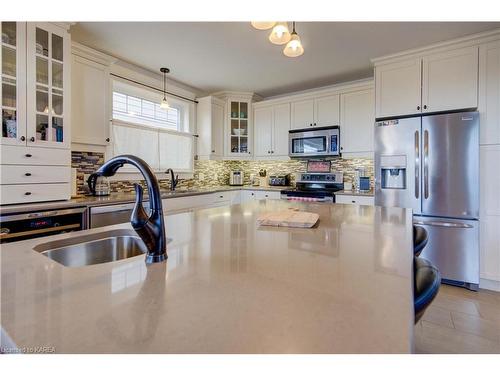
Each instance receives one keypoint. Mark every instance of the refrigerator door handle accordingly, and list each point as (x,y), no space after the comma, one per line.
(417,164)
(443,224)
(426,164)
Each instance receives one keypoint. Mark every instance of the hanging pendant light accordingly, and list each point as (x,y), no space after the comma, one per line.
(164,103)
(280,34)
(294,46)
(266,25)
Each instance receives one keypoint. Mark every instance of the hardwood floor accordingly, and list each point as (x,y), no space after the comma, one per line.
(460,321)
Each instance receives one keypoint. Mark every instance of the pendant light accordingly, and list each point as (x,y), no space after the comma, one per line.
(294,46)
(266,25)
(164,103)
(280,34)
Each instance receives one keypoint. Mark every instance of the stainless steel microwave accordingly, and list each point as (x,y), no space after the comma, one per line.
(314,142)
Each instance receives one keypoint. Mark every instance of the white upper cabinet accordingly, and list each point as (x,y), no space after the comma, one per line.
(90,101)
(357,122)
(450,80)
(210,124)
(398,90)
(326,111)
(280,129)
(271,131)
(48,61)
(489,93)
(13,83)
(263,120)
(302,114)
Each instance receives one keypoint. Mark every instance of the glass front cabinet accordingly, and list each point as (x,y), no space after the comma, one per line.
(239,140)
(35,60)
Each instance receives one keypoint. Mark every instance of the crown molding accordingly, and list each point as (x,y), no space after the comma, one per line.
(92,54)
(468,40)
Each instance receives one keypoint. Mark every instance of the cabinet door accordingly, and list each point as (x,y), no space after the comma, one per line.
(48,60)
(489,237)
(13,83)
(397,88)
(280,129)
(239,128)
(326,111)
(90,102)
(263,122)
(358,120)
(302,114)
(489,93)
(450,80)
(217,130)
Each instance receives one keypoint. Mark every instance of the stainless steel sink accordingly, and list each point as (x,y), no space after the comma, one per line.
(95,248)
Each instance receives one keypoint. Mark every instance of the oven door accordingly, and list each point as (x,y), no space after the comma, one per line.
(309,143)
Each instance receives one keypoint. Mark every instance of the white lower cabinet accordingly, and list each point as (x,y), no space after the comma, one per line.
(355,199)
(259,195)
(28,193)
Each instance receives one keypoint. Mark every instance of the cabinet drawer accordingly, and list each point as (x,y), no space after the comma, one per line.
(34,193)
(31,174)
(35,156)
(355,199)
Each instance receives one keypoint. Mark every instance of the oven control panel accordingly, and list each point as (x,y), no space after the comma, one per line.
(336,177)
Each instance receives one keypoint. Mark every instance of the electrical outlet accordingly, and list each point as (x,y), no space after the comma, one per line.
(201,177)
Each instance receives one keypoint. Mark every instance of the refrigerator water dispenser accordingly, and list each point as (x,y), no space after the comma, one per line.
(393,172)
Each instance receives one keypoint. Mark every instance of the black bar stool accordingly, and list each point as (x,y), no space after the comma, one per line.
(420,238)
(426,285)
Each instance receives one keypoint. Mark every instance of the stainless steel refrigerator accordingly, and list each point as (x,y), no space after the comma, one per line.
(431,164)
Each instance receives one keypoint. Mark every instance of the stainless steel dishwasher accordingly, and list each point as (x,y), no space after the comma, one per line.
(100,216)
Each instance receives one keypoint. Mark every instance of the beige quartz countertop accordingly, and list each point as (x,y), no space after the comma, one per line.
(367,193)
(228,286)
(117,198)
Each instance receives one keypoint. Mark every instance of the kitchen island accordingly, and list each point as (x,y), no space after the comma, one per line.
(228,286)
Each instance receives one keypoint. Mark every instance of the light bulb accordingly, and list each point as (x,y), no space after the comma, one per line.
(280,34)
(294,47)
(263,25)
(164,104)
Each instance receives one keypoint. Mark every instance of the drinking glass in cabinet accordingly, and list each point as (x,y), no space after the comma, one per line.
(9,33)
(57,47)
(243,110)
(8,61)
(57,129)
(9,123)
(42,42)
(42,100)
(42,125)
(42,71)
(8,94)
(57,74)
(235,109)
(243,144)
(57,104)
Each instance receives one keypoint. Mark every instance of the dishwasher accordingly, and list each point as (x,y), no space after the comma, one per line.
(101,216)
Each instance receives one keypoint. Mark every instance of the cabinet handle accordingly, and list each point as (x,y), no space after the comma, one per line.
(310,124)
(32,139)
(314,124)
(23,138)
(213,150)
(28,155)
(221,196)
(272,152)
(425,106)
(418,108)
(341,148)
(27,174)
(107,140)
(27,193)
(353,201)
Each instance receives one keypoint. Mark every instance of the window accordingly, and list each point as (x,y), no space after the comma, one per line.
(145,112)
(142,128)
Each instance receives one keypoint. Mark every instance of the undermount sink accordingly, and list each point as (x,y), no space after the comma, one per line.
(95,248)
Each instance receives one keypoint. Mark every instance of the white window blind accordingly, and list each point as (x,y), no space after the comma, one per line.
(141,128)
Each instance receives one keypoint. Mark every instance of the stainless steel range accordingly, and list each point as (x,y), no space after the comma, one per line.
(315,187)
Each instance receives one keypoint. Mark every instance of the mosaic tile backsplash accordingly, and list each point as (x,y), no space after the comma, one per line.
(216,173)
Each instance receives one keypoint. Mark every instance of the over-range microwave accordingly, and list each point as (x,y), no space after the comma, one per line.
(314,142)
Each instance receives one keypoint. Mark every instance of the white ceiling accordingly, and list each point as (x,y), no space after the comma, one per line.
(214,56)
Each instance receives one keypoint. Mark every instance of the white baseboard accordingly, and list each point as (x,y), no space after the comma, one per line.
(489,284)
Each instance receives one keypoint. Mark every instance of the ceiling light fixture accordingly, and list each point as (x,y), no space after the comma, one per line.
(164,103)
(294,46)
(280,34)
(266,25)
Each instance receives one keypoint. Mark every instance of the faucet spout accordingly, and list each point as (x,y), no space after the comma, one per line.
(173,181)
(150,229)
